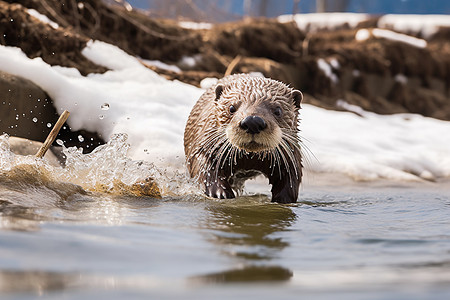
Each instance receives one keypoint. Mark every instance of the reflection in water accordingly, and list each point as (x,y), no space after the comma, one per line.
(249,228)
(35,281)
(246,274)
(246,228)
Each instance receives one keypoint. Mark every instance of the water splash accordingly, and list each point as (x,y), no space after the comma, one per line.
(105,166)
(107,169)
(6,156)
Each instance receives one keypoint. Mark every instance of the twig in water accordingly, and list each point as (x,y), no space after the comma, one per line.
(52,135)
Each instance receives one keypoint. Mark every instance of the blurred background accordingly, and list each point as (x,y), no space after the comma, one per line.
(227,10)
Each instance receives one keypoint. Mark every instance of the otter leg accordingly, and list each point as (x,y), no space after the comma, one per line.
(285,190)
(218,187)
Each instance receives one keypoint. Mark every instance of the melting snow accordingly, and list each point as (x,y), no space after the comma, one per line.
(426,25)
(364,34)
(42,18)
(153,112)
(317,21)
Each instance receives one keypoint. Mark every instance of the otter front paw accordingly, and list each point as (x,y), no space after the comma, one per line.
(285,194)
(219,190)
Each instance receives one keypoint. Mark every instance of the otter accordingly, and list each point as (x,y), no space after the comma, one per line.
(241,127)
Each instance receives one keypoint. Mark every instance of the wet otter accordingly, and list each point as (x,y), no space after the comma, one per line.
(241,127)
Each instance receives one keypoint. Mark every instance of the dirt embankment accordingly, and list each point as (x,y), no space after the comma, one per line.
(378,74)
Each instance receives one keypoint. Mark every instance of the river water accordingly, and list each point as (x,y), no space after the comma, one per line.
(64,240)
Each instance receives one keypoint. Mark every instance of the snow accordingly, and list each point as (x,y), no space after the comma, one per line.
(319,21)
(42,18)
(195,25)
(152,111)
(364,34)
(208,82)
(326,68)
(161,65)
(401,78)
(149,108)
(425,25)
(367,146)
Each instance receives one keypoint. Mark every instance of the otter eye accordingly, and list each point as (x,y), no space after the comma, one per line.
(277,112)
(232,109)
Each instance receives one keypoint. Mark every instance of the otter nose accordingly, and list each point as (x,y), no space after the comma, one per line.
(253,124)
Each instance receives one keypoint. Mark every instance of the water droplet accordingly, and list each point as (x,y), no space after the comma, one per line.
(35,119)
(59,142)
(101,117)
(81,138)
(105,106)
(17,117)
(49,125)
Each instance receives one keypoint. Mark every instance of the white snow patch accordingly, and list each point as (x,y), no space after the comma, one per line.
(335,63)
(376,146)
(161,65)
(319,21)
(42,18)
(195,25)
(364,34)
(153,112)
(327,69)
(208,82)
(401,78)
(425,25)
(350,107)
(189,61)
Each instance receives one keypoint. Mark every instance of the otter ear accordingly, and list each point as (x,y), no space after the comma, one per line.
(298,97)
(219,90)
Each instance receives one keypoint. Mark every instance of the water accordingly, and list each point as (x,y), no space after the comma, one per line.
(61,237)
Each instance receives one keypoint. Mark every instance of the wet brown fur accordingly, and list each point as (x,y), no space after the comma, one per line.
(222,155)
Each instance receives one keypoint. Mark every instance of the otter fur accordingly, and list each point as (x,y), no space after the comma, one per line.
(241,127)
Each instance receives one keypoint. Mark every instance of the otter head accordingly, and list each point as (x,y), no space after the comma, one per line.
(256,112)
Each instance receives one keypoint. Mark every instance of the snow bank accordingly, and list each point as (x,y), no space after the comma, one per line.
(425,25)
(364,34)
(134,100)
(368,146)
(317,21)
(149,108)
(42,18)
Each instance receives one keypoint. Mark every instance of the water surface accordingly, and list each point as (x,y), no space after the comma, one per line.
(372,243)
(78,233)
